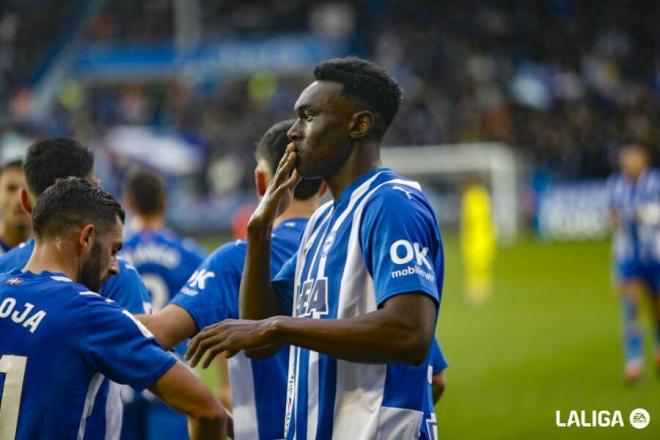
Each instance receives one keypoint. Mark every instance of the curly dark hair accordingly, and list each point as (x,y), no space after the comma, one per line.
(271,148)
(366,83)
(74,202)
(146,191)
(51,159)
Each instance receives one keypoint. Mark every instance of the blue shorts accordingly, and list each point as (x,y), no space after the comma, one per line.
(647,272)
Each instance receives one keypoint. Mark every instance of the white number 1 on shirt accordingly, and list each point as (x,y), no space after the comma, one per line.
(13,368)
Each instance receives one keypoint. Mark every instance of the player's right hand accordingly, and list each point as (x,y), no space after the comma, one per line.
(278,193)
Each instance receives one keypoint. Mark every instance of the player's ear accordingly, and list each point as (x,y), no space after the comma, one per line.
(26,201)
(87,237)
(361,124)
(323,189)
(260,181)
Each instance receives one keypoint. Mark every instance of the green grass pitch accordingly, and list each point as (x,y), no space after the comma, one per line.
(548,340)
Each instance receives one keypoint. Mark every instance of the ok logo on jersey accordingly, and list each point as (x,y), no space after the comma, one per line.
(198,279)
(403,252)
(313,298)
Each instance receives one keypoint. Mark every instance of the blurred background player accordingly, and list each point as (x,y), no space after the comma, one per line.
(15,222)
(477,231)
(258,387)
(634,196)
(164,261)
(60,337)
(45,162)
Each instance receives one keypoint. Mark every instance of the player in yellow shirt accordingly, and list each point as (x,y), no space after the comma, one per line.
(478,240)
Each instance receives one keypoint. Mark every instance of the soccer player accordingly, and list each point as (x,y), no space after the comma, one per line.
(258,387)
(60,337)
(46,161)
(164,261)
(15,223)
(366,280)
(634,197)
(477,243)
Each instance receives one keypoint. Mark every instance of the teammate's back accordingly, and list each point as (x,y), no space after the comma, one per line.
(55,350)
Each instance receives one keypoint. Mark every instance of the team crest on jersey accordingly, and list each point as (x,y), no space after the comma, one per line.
(14,281)
(313,298)
(327,244)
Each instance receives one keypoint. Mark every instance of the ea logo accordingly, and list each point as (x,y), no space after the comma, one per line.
(198,279)
(639,418)
(403,252)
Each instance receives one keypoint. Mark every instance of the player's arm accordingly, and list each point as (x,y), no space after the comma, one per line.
(181,390)
(399,332)
(438,385)
(257,298)
(120,347)
(170,326)
(437,364)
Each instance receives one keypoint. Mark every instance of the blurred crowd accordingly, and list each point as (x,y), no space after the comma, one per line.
(565,83)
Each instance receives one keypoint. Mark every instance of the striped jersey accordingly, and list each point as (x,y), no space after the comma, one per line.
(378,239)
(634,201)
(258,386)
(59,341)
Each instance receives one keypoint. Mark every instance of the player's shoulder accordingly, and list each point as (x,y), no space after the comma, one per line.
(396,192)
(228,254)
(16,257)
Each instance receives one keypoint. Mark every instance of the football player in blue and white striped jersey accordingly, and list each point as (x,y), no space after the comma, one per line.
(634,199)
(364,287)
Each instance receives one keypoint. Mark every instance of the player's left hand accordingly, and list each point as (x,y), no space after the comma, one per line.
(230,336)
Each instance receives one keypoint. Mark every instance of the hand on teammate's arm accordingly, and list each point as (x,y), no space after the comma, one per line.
(257,298)
(181,390)
(400,331)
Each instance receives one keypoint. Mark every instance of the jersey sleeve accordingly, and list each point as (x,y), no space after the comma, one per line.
(283,283)
(401,244)
(211,294)
(127,289)
(120,347)
(437,358)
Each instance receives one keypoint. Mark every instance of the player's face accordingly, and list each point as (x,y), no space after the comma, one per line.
(633,162)
(11,182)
(102,260)
(320,133)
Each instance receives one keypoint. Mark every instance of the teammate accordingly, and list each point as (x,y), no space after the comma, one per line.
(164,261)
(211,295)
(367,278)
(15,223)
(634,197)
(60,338)
(45,162)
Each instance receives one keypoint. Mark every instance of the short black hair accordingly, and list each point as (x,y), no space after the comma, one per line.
(55,158)
(146,191)
(74,202)
(12,164)
(367,83)
(271,148)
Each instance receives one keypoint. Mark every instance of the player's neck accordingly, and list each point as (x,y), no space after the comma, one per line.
(299,209)
(363,159)
(52,256)
(151,223)
(13,235)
